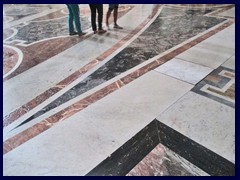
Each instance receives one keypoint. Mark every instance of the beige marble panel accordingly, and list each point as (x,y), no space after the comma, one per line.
(185,71)
(213,51)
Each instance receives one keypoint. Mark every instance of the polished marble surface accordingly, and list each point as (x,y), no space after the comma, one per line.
(219,86)
(163,98)
(69,61)
(230,63)
(214,51)
(161,161)
(155,42)
(206,121)
(20,11)
(97,97)
(185,71)
(46,32)
(228,13)
(159,150)
(10,59)
(39,30)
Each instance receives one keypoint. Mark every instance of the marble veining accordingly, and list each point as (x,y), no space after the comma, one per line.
(57,14)
(45,95)
(161,161)
(185,71)
(7,34)
(193,136)
(181,12)
(39,30)
(167,152)
(204,120)
(10,58)
(57,45)
(101,93)
(160,36)
(121,161)
(199,155)
(17,12)
(7,19)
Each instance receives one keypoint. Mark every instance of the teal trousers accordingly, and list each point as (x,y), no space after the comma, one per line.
(73,15)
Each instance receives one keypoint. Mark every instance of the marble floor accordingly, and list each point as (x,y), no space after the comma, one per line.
(156,98)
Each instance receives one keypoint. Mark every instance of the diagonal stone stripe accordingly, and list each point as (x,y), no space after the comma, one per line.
(149,44)
(38,128)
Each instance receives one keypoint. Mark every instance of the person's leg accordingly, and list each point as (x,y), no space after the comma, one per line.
(110,9)
(115,16)
(100,15)
(93,17)
(75,10)
(70,20)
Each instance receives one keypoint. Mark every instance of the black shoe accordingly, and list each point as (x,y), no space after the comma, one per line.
(117,27)
(73,33)
(101,31)
(81,33)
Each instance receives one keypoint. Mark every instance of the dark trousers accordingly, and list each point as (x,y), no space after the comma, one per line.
(96,8)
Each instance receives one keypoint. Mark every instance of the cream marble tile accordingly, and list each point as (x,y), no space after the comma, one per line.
(183,70)
(229,13)
(88,137)
(230,63)
(205,121)
(224,39)
(213,51)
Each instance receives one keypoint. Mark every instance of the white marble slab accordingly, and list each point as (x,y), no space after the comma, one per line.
(213,51)
(183,70)
(224,38)
(205,121)
(228,13)
(78,144)
(44,11)
(230,63)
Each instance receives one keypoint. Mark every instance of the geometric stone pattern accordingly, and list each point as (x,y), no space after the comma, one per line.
(161,161)
(219,86)
(149,44)
(197,159)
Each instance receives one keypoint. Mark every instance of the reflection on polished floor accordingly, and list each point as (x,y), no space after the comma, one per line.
(156,98)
